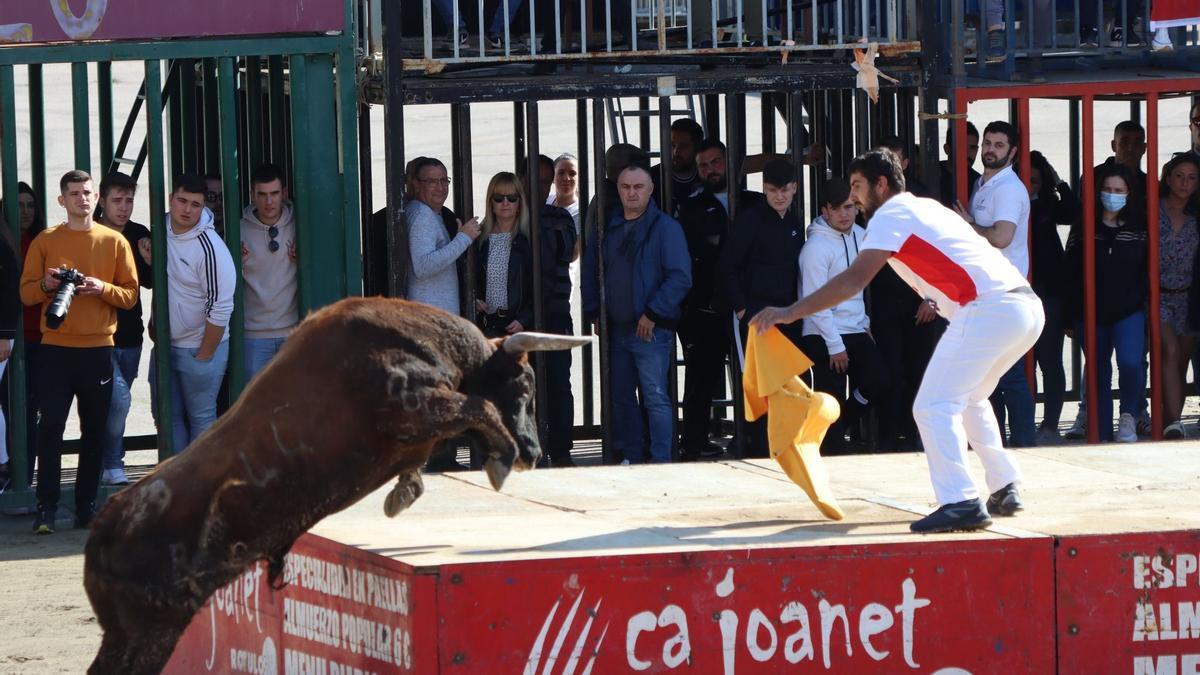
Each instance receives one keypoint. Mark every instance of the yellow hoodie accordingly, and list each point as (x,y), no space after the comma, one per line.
(799,416)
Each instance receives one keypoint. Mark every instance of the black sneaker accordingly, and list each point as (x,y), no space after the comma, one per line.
(5,477)
(84,515)
(965,515)
(1089,38)
(43,520)
(1005,502)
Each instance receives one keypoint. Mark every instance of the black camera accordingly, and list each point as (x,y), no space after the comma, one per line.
(69,280)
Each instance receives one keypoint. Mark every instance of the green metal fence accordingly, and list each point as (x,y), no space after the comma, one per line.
(218,111)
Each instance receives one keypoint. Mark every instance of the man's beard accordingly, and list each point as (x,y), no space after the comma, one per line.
(998,163)
(869,207)
(717,185)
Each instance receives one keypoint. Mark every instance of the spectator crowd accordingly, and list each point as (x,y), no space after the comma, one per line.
(684,265)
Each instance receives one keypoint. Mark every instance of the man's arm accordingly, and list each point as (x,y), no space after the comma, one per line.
(427,258)
(33,274)
(729,268)
(839,289)
(222,281)
(814,274)
(122,290)
(999,235)
(677,273)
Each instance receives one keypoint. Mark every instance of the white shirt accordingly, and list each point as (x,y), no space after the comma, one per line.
(936,255)
(1004,197)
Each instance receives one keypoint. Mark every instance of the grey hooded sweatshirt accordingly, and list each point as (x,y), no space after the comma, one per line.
(271,289)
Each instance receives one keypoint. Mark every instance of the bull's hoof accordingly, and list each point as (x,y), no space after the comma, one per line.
(408,489)
(497,471)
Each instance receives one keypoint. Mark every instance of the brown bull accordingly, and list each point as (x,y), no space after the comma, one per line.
(358,396)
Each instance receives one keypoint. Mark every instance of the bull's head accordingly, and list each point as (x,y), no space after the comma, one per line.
(510,386)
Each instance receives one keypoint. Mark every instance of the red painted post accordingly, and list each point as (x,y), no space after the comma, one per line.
(1025,170)
(1089,271)
(1152,171)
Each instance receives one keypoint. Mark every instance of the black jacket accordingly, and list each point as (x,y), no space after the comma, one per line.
(129,321)
(759,266)
(10,294)
(558,241)
(520,278)
(1121,273)
(706,227)
(946,189)
(1047,256)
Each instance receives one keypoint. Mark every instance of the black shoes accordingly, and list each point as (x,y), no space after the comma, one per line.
(961,516)
(84,515)
(43,520)
(1005,502)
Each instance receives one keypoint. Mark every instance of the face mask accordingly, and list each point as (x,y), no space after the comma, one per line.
(1112,201)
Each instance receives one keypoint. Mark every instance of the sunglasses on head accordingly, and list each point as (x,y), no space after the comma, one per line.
(511,199)
(273,245)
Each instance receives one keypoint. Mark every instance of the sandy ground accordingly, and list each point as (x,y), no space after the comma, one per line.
(48,623)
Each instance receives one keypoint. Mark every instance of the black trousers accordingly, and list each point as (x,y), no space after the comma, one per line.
(906,348)
(558,435)
(31,408)
(705,338)
(867,372)
(67,374)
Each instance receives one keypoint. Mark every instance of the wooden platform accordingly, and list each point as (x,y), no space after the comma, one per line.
(726,567)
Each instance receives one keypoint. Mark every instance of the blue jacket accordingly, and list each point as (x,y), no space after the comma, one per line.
(662,268)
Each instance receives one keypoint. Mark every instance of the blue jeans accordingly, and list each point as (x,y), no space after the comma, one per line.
(638,365)
(1013,396)
(125,370)
(1128,337)
(259,352)
(194,388)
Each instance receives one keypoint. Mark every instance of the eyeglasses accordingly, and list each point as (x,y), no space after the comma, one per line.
(273,245)
(434,181)
(511,199)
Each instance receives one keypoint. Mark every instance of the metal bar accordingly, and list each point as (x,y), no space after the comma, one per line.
(518,136)
(733,182)
(1089,272)
(105,104)
(1152,233)
(633,29)
(464,194)
(661,24)
(175,116)
(190,142)
(606,448)
(158,239)
(303,178)
(393,146)
(346,83)
(278,111)
(254,111)
(37,137)
(533,171)
(373,284)
(226,86)
(212,122)
(81,117)
(1025,167)
(1073,152)
(19,459)
(961,188)
(427,28)
(957,31)
(644,123)
(767,112)
(666,170)
(85,52)
(795,130)
(585,185)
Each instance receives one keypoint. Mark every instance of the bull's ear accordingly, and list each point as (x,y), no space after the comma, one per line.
(525,342)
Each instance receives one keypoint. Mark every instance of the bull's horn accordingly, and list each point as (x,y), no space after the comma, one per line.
(543,342)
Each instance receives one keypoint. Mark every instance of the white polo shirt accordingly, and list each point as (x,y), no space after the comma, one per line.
(1004,197)
(936,255)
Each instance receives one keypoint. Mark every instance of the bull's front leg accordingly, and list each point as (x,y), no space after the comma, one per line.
(408,489)
(425,417)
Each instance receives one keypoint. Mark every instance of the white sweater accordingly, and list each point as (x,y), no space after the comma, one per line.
(827,253)
(269,279)
(200,282)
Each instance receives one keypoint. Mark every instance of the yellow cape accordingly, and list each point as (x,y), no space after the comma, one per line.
(799,416)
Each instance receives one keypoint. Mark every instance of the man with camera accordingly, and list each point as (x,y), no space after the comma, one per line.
(81,274)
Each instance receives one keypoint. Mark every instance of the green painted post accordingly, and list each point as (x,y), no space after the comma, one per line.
(317,190)
(347,109)
(175,119)
(105,102)
(227,107)
(37,136)
(158,229)
(82,121)
(16,377)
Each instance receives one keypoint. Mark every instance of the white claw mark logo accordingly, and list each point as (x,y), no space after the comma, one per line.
(536,654)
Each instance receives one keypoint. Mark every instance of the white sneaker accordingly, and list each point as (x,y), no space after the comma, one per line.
(1174,430)
(1126,429)
(1078,430)
(114,477)
(1161,41)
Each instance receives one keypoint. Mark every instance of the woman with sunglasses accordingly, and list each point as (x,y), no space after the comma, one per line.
(504,264)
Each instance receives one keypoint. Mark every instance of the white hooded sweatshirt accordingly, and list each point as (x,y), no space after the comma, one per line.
(827,253)
(200,282)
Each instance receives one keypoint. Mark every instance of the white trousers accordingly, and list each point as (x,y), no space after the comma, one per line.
(984,339)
